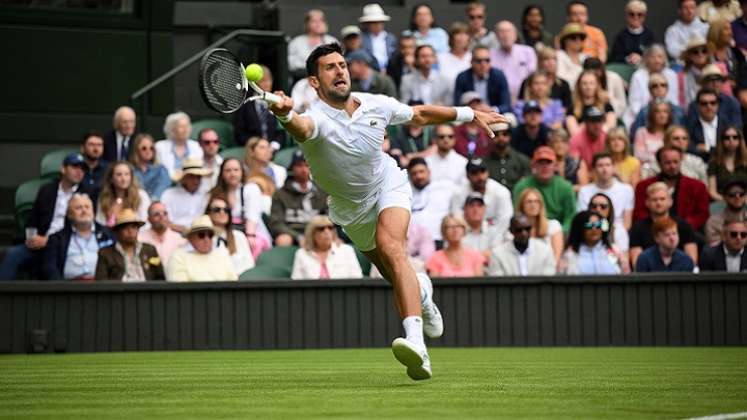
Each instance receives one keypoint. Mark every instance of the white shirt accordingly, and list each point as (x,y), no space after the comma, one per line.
(341,262)
(431,204)
(710,130)
(623,199)
(679,33)
(242,258)
(432,90)
(567,69)
(498,205)
(733,262)
(166,156)
(484,238)
(60,208)
(208,182)
(378,45)
(183,206)
(453,166)
(450,65)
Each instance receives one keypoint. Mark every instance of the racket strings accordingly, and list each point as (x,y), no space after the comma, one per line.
(223,81)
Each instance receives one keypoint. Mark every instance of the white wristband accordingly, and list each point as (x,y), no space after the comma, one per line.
(464,114)
(285,119)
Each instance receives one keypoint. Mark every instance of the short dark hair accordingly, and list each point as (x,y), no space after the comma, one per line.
(705,91)
(205,130)
(89,134)
(598,156)
(663,149)
(575,3)
(420,47)
(312,63)
(415,162)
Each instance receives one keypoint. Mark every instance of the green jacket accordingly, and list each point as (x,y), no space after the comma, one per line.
(560,200)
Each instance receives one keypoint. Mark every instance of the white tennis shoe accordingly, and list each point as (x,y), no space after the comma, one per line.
(433,322)
(414,357)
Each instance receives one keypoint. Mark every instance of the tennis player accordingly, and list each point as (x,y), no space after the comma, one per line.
(341,135)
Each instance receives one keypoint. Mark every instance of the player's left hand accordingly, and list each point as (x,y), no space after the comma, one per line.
(486,119)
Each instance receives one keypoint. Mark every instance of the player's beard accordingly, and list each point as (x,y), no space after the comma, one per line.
(338,96)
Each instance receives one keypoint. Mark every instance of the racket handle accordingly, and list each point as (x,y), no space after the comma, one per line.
(271,98)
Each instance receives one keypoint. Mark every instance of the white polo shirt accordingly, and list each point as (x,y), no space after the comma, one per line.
(452,167)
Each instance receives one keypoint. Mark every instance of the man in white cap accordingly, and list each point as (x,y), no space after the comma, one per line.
(186,201)
(202,262)
(378,42)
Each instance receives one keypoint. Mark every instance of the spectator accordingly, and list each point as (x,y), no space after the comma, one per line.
(117,141)
(410,141)
(516,61)
(695,59)
(560,200)
(532,132)
(739,28)
(538,90)
(120,190)
(128,260)
(728,255)
(627,167)
(296,203)
(479,34)
(234,241)
(365,79)
(425,30)
(456,259)
(160,235)
(602,204)
(351,39)
(533,31)
(403,61)
(172,151)
(376,40)
(611,83)
(524,255)
(590,251)
(664,256)
(650,138)
(570,56)
(480,235)
(497,197)
(570,168)
(459,56)
(201,261)
(639,95)
(315,34)
(471,139)
(489,82)
(735,200)
(631,41)
(431,198)
(658,202)
(549,231)
(711,10)
(589,94)
(678,35)
(91,149)
(706,125)
(258,159)
(152,176)
(692,165)
(547,62)
(446,161)
(595,44)
(323,256)
(254,118)
(426,84)
(185,201)
(210,144)
(728,108)
(77,262)
(658,88)
(591,137)
(729,160)
(504,163)
(722,50)
(690,196)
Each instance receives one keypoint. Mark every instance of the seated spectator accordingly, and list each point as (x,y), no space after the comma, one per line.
(459,56)
(524,255)
(184,201)
(479,34)
(590,250)
(611,83)
(658,202)
(724,53)
(532,132)
(117,141)
(72,253)
(211,160)
(258,159)
(570,56)
(687,26)
(504,163)
(226,237)
(403,61)
(695,59)
(172,151)
(375,39)
(425,30)
(658,87)
(488,82)
(602,204)
(323,256)
(128,260)
(365,79)
(547,62)
(595,44)
(630,42)
(431,198)
(739,28)
(120,190)
(497,197)
(639,93)
(711,10)
(649,139)
(712,77)
(538,90)
(254,118)
(532,205)
(560,200)
(589,94)
(570,168)
(627,167)
(480,235)
(456,259)
(446,161)
(295,204)
(426,85)
(47,217)
(471,138)
(735,198)
(591,138)
(729,254)
(533,31)
(691,196)
(303,95)
(159,234)
(620,193)
(704,128)
(516,61)
(664,256)
(352,41)
(729,160)
(91,149)
(152,176)
(410,141)
(200,261)
(315,34)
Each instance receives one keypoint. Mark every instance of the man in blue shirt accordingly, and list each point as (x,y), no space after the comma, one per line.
(664,256)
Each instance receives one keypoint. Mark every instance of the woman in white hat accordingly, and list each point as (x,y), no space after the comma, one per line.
(696,58)
(202,261)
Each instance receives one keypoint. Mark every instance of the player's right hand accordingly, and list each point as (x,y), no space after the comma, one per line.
(283,107)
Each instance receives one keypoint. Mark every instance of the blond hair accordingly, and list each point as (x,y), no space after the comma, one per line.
(449,218)
(314,223)
(656,187)
(540,223)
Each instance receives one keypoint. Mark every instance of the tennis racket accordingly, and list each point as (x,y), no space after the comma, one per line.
(223,84)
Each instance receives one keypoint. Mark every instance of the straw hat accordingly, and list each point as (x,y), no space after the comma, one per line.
(127,217)
(710,71)
(193,166)
(571,29)
(373,13)
(695,41)
(201,223)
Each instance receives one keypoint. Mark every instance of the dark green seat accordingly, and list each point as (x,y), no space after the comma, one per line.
(364,262)
(280,256)
(265,272)
(283,156)
(24,201)
(233,152)
(623,70)
(51,162)
(222,127)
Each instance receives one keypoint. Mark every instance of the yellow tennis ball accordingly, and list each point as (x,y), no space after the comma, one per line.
(254,72)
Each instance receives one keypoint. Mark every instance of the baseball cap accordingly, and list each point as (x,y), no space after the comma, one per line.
(593,113)
(735,180)
(543,153)
(350,30)
(474,197)
(469,96)
(476,165)
(296,158)
(75,159)
(530,106)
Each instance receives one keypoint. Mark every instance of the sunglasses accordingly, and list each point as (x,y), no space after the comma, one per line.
(636,14)
(699,51)
(323,228)
(220,209)
(480,60)
(603,206)
(735,235)
(147,148)
(522,229)
(730,137)
(735,194)
(475,17)
(160,213)
(593,225)
(708,103)
(203,235)
(445,136)
(657,85)
(681,138)
(503,133)
(209,141)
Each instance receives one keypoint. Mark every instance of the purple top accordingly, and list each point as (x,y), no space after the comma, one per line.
(552,113)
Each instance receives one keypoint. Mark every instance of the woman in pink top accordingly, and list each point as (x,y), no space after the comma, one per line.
(456,260)
(650,138)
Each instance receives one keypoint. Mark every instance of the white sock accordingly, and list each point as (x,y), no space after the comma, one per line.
(414,330)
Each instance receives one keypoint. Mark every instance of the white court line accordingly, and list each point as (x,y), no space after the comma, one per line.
(741,415)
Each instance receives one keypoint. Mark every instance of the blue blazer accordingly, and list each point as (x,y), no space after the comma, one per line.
(498,93)
(55,252)
(729,110)
(391,44)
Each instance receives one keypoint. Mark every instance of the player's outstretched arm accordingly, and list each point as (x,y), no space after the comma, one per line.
(299,127)
(433,114)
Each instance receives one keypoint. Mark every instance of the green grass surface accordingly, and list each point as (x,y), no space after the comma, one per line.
(467,383)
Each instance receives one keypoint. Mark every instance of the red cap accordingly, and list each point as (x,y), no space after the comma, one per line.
(543,153)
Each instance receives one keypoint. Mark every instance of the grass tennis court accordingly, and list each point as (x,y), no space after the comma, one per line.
(468,383)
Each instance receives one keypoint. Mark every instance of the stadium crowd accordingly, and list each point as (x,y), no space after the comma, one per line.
(618,160)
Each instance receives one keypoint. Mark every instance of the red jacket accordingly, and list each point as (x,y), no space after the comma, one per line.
(691,205)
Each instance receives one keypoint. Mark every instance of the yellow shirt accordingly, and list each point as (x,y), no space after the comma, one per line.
(190,265)
(627,168)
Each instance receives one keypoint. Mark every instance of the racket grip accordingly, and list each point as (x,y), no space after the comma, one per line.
(271,98)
